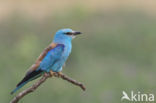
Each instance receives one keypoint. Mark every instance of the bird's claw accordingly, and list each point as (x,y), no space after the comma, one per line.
(52,73)
(58,74)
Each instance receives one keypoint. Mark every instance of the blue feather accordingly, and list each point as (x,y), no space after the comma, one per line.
(20,86)
(22,83)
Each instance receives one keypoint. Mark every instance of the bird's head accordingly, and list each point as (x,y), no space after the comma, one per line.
(65,34)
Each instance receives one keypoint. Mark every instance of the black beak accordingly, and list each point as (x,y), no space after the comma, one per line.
(76,33)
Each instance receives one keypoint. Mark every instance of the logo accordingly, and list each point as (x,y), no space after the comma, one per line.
(137,97)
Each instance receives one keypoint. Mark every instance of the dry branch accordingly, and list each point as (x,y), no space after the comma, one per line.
(42,80)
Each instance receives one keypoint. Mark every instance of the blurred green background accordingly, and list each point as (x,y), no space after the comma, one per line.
(117,51)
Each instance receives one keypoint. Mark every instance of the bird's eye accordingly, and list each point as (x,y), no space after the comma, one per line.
(68,33)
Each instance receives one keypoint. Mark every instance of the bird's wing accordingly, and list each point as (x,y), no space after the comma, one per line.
(52,56)
(40,58)
(45,60)
(33,73)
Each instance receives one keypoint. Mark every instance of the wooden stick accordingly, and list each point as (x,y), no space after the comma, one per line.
(42,80)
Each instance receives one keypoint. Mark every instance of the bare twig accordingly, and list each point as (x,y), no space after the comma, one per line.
(73,82)
(42,80)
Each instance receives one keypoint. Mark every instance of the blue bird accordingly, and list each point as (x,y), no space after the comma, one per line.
(52,59)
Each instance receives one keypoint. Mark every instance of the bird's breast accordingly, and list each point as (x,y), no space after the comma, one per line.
(67,51)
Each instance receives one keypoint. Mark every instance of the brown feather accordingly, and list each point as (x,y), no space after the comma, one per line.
(40,58)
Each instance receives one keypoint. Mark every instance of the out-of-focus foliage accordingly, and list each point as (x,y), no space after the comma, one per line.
(116,52)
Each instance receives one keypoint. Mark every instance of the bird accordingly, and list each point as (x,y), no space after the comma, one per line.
(53,59)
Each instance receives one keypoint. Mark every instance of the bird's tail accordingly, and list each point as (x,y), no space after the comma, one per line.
(29,77)
(18,87)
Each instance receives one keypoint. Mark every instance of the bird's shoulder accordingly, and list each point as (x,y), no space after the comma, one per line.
(58,49)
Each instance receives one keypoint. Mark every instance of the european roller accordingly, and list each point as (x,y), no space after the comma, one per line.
(55,57)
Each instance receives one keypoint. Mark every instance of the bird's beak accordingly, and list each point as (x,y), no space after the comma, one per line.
(76,33)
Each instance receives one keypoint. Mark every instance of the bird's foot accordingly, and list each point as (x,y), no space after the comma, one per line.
(60,74)
(51,73)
